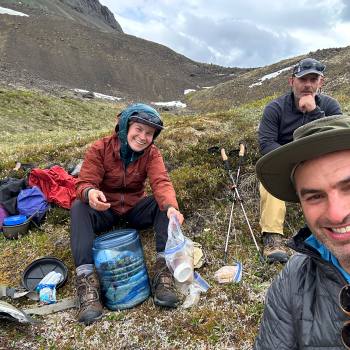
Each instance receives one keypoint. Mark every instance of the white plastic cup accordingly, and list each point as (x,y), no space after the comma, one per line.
(183,272)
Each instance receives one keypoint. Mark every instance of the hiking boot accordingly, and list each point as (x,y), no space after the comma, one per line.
(274,248)
(89,301)
(163,285)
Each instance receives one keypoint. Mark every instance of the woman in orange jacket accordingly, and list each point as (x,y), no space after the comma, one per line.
(111,188)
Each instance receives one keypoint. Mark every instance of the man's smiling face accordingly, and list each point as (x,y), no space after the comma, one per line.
(323,187)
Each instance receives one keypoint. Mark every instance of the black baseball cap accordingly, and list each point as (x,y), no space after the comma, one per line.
(308,66)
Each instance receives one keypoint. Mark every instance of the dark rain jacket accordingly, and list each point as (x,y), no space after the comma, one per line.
(9,191)
(281,118)
(301,307)
(104,169)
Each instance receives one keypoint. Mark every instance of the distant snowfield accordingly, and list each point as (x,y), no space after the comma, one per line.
(98,95)
(187,91)
(5,11)
(269,76)
(177,104)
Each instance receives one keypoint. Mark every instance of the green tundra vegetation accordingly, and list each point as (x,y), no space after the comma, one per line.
(42,129)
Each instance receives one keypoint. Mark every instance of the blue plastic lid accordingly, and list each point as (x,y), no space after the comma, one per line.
(14,220)
(115,238)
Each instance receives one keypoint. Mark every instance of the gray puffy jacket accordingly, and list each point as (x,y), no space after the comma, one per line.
(302,308)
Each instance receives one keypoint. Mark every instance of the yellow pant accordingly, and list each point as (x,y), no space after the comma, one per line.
(272,212)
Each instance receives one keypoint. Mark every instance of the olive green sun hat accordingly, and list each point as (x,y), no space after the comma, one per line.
(319,137)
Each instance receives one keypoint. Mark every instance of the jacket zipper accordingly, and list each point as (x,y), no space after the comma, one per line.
(122,195)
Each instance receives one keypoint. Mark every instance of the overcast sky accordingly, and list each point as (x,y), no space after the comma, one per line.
(245,33)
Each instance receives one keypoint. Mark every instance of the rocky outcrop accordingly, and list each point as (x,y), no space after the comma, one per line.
(94,9)
(87,12)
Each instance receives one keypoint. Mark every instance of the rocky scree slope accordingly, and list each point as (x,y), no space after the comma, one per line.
(49,47)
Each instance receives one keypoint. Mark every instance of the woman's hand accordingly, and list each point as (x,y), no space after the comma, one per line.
(173,211)
(97,200)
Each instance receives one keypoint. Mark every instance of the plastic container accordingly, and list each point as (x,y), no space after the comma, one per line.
(15,226)
(180,260)
(119,261)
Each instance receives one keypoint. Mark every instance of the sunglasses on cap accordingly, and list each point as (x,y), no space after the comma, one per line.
(344,303)
(309,64)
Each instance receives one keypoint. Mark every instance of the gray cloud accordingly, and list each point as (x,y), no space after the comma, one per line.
(237,42)
(315,14)
(345,14)
(237,33)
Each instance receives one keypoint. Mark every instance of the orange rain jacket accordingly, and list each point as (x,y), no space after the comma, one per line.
(103,169)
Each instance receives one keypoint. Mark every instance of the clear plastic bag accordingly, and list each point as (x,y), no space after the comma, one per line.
(193,290)
(179,252)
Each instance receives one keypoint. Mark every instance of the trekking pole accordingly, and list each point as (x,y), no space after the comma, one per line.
(240,161)
(228,231)
(241,153)
(229,171)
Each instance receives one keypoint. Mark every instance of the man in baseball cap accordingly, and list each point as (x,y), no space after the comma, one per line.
(303,104)
(308,304)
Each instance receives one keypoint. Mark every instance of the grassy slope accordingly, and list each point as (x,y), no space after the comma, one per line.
(42,129)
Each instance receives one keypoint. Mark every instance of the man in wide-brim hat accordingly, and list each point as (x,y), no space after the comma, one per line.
(308,304)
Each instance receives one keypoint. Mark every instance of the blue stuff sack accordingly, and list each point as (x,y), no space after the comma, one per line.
(31,201)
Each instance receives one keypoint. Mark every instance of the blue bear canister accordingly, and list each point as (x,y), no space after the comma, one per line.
(119,261)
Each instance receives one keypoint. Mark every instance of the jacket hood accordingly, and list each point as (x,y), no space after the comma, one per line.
(126,153)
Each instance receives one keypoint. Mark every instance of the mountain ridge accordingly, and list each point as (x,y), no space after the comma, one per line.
(46,47)
(87,12)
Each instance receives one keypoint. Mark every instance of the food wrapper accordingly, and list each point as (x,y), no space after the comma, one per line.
(229,274)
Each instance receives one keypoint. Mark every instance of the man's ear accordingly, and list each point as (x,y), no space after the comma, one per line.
(321,81)
(290,81)
(320,84)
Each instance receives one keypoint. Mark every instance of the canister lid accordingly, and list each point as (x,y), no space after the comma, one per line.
(115,238)
(14,220)
(39,268)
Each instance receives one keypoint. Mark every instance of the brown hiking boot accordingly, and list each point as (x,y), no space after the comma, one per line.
(88,291)
(163,285)
(274,248)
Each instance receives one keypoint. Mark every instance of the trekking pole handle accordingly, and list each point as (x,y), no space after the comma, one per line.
(223,155)
(225,159)
(241,149)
